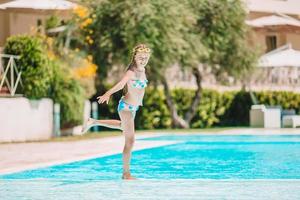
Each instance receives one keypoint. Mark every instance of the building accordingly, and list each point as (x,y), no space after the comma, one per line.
(276,27)
(275,22)
(21,16)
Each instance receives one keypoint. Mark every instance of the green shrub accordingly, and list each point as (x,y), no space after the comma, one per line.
(212,106)
(43,77)
(34,64)
(52,22)
(237,112)
(215,109)
(68,92)
(154,113)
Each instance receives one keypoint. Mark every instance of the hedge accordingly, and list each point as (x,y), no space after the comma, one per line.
(215,109)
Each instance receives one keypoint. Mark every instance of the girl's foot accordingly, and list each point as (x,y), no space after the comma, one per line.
(87,125)
(127,176)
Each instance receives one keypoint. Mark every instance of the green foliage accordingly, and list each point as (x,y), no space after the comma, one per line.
(286,100)
(165,25)
(34,64)
(212,107)
(52,22)
(215,109)
(238,111)
(186,32)
(68,92)
(157,114)
(221,24)
(43,77)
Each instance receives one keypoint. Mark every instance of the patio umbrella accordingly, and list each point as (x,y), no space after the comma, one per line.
(39,4)
(284,56)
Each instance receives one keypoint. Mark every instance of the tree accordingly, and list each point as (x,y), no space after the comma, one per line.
(165,25)
(224,32)
(185,32)
(221,26)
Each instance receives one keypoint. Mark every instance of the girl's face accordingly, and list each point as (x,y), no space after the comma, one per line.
(141,59)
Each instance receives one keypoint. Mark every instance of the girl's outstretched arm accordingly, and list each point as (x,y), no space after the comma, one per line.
(105,97)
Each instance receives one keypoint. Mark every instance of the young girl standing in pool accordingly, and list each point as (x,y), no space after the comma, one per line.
(135,82)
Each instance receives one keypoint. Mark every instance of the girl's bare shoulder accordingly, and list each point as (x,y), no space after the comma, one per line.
(130,74)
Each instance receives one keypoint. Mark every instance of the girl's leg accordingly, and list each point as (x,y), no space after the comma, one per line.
(127,120)
(110,123)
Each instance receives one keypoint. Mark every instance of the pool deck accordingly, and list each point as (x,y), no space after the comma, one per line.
(22,156)
(261,131)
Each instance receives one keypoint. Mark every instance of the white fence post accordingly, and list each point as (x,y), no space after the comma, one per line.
(11,65)
(56,120)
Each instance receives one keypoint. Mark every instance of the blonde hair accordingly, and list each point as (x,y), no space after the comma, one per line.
(142,48)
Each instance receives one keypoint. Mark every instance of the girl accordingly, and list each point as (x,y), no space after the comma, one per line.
(135,81)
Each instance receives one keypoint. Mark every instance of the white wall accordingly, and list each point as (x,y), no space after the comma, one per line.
(22,119)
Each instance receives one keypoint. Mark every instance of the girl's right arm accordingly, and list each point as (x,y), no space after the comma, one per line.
(105,98)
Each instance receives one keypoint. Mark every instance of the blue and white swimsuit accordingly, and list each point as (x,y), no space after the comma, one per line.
(136,83)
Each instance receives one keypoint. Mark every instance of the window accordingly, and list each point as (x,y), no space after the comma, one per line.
(271,42)
(39,22)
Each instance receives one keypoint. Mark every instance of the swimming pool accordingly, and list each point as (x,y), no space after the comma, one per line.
(202,162)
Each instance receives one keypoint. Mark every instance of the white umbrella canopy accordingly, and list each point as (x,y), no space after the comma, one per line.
(39,4)
(284,56)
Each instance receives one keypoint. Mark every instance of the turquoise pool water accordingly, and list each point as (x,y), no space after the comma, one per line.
(193,157)
(205,162)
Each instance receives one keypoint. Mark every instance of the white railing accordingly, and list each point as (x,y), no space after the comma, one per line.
(9,72)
